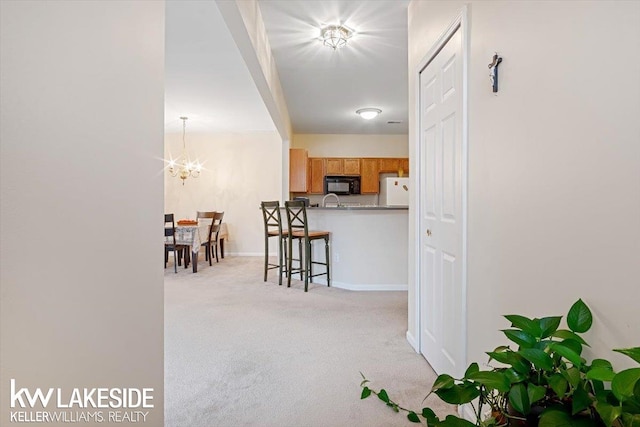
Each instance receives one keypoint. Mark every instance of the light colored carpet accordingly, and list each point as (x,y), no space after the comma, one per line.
(242,352)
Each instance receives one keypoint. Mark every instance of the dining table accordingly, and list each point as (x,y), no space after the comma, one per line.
(195,235)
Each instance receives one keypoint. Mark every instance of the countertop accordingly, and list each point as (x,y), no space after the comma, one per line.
(354,207)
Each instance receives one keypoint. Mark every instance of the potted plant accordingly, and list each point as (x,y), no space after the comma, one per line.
(618,405)
(542,381)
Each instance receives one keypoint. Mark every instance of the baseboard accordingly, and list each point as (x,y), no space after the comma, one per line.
(341,285)
(412,342)
(362,286)
(260,254)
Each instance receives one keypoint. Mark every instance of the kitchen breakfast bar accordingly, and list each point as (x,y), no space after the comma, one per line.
(368,246)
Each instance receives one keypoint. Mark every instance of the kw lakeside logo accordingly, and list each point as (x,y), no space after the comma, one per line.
(113,405)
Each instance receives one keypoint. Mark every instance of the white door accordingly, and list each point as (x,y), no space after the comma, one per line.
(442,326)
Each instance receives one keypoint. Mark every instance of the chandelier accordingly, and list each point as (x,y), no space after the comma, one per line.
(335,36)
(184,167)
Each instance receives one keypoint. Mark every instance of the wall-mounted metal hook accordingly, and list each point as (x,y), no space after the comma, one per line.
(493,67)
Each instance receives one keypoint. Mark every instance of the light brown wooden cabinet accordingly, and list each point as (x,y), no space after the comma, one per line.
(389,165)
(370,176)
(334,166)
(306,174)
(394,165)
(351,166)
(316,175)
(298,167)
(342,166)
(404,165)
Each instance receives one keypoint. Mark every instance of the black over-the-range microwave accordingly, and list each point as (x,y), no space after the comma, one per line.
(341,185)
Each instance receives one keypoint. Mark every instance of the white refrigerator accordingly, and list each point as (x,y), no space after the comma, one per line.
(394,191)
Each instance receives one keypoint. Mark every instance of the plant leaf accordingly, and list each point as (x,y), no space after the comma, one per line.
(500,356)
(514,376)
(580,401)
(430,416)
(600,374)
(558,384)
(539,358)
(598,387)
(366,392)
(567,353)
(527,325)
(549,325)
(579,318)
(601,363)
(382,395)
(519,399)
(572,375)
(555,418)
(458,394)
(624,382)
(413,417)
(443,381)
(569,335)
(522,338)
(629,420)
(536,393)
(471,369)
(453,421)
(633,353)
(608,412)
(512,358)
(491,380)
(573,345)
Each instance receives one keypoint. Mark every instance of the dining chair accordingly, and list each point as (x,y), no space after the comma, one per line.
(170,243)
(206,217)
(211,245)
(299,229)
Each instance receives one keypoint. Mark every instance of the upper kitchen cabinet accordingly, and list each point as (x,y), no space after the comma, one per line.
(316,175)
(306,174)
(370,176)
(404,165)
(334,166)
(394,165)
(337,166)
(351,166)
(298,169)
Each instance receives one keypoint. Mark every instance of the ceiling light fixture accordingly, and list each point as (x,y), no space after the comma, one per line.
(183,167)
(368,113)
(335,36)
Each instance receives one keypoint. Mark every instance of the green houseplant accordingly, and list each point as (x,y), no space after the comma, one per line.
(542,381)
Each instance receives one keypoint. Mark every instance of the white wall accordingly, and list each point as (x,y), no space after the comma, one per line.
(241,170)
(81,141)
(244,20)
(352,145)
(362,260)
(554,163)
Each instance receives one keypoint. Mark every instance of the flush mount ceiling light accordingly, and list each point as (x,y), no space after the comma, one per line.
(335,36)
(368,113)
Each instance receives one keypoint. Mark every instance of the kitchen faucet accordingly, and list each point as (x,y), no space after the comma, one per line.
(330,194)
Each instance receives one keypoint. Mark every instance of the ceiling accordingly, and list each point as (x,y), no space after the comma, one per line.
(207,80)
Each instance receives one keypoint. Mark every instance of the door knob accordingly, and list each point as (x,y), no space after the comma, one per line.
(428,233)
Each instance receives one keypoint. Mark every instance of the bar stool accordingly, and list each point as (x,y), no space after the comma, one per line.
(273,228)
(298,229)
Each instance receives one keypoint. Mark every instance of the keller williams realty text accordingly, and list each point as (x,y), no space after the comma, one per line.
(80,398)
(77,416)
